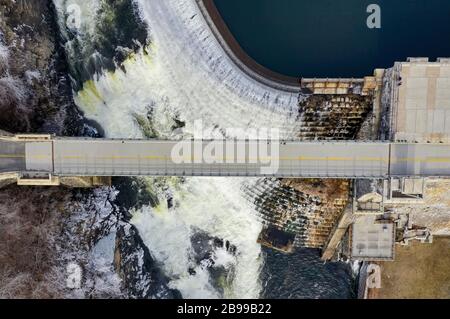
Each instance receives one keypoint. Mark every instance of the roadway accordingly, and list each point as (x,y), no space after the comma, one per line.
(125,158)
(12,156)
(103,157)
(107,157)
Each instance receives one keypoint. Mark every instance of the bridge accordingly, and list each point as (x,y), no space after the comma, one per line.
(35,156)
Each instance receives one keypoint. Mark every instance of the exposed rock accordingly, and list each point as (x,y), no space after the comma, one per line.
(277,239)
(205,249)
(137,269)
(133,193)
(35,91)
(204,245)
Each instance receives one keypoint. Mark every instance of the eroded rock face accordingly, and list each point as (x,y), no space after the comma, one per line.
(35,94)
(115,261)
(137,269)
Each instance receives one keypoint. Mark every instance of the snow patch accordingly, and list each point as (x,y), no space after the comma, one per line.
(4,54)
(32,76)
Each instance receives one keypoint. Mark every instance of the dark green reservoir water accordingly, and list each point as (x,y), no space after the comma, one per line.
(330,38)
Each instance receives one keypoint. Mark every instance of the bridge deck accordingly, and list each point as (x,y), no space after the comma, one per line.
(104,157)
(293,159)
(427,160)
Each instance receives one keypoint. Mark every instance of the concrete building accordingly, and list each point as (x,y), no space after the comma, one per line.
(421,101)
(372,238)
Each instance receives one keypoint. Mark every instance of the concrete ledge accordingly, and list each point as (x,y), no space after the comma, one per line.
(25,137)
(8,179)
(85,181)
(70,181)
(33,137)
(51,181)
(417,60)
(5,133)
(444,60)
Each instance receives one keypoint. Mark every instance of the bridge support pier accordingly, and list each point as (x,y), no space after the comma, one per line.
(49,180)
(86,182)
(8,179)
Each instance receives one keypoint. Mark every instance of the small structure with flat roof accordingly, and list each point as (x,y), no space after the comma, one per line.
(372,238)
(421,101)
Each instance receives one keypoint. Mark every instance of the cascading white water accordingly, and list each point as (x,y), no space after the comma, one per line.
(215,206)
(185,74)
(71,10)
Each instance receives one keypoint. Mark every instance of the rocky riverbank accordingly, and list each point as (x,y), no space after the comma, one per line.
(35,90)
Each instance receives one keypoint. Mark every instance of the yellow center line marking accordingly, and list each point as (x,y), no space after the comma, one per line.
(241,159)
(155,157)
(438,160)
(372,159)
(118,157)
(301,158)
(12,155)
(74,157)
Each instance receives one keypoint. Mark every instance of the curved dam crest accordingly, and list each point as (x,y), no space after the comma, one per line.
(246,63)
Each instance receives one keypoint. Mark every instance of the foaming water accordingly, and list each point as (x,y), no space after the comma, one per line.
(184,74)
(87,15)
(77,24)
(216,207)
(98,35)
